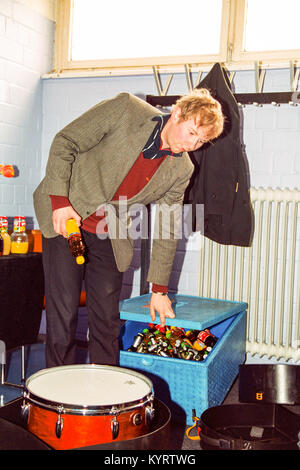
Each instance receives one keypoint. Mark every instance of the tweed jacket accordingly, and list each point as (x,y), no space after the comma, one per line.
(89,159)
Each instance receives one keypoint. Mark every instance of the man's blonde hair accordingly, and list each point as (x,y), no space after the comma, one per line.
(205,109)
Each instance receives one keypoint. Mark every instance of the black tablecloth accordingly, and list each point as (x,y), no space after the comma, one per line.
(21,298)
(13,430)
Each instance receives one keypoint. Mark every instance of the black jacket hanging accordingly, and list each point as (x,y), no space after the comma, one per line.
(220,181)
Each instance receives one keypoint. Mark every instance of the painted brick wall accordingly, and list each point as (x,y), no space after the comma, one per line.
(26,49)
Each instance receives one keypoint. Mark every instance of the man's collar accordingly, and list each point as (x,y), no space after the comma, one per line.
(152,149)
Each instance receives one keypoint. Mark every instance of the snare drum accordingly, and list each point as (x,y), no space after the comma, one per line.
(82,405)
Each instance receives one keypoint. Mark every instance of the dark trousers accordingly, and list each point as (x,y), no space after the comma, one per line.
(63,284)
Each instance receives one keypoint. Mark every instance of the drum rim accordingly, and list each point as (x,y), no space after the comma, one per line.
(63,408)
(72,408)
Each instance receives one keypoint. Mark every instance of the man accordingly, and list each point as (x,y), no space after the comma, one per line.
(122,147)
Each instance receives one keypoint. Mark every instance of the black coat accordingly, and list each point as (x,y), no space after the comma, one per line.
(221,179)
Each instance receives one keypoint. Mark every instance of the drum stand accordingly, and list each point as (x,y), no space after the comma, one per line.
(3,368)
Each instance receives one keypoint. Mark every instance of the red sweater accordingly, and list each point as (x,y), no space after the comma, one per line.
(139,175)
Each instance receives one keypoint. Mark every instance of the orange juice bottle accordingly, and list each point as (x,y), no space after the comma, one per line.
(5,236)
(19,237)
(1,245)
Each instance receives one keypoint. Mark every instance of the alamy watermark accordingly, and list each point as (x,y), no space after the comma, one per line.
(168,222)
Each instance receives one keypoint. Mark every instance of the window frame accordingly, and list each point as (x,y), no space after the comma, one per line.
(64,63)
(231,50)
(239,55)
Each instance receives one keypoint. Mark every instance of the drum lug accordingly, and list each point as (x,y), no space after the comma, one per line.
(25,412)
(149,414)
(114,424)
(59,425)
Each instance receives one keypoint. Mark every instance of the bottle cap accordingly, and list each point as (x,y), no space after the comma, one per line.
(80,260)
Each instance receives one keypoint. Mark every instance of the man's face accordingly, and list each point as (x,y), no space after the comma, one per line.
(182,136)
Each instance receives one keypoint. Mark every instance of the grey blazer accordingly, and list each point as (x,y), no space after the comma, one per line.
(88,161)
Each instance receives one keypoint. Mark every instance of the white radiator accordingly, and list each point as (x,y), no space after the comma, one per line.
(266,275)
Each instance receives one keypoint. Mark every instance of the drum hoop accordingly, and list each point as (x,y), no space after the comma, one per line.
(122,370)
(63,408)
(92,409)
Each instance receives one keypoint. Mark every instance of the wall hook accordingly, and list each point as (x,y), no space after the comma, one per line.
(294,76)
(259,77)
(161,91)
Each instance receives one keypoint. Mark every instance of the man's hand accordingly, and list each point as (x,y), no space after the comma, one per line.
(162,305)
(60,217)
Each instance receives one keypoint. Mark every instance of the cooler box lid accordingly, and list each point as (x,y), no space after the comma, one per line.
(191,311)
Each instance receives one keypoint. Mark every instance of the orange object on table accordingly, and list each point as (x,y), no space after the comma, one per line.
(7,170)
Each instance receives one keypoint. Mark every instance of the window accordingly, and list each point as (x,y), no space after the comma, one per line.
(275,28)
(266,30)
(93,34)
(133,36)
(136,29)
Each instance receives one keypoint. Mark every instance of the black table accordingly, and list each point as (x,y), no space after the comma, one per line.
(21,298)
(13,430)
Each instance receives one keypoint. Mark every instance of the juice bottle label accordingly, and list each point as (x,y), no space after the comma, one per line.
(203,335)
(3,224)
(19,224)
(72,228)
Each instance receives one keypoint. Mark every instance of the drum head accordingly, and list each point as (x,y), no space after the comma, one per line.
(89,385)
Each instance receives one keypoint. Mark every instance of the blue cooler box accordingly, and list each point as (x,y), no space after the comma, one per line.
(181,384)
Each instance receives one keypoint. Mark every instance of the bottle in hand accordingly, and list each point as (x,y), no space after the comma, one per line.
(75,241)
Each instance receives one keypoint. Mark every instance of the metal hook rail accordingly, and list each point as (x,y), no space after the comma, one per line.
(258,98)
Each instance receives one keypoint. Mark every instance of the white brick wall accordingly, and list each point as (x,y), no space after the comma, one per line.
(26,49)
(272,140)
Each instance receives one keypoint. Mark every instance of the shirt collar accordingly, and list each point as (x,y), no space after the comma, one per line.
(152,150)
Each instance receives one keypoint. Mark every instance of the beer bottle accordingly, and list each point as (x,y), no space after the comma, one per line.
(159,336)
(207,338)
(147,335)
(176,331)
(199,345)
(138,339)
(173,340)
(201,355)
(192,335)
(152,348)
(75,241)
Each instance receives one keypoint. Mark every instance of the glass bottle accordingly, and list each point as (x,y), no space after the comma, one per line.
(19,237)
(75,241)
(1,245)
(5,235)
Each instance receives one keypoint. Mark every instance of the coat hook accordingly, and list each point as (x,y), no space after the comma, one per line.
(294,76)
(188,77)
(259,77)
(198,79)
(161,91)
